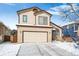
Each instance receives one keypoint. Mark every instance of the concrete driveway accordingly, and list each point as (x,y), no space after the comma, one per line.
(41,49)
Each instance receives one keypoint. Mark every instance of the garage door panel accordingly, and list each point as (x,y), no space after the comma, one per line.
(35,37)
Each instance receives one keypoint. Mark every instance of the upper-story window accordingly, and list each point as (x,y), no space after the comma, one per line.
(76,27)
(71,26)
(25,18)
(42,20)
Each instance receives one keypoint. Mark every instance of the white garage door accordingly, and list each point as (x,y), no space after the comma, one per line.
(35,37)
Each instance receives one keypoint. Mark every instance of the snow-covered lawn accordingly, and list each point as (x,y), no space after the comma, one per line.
(69,46)
(9,49)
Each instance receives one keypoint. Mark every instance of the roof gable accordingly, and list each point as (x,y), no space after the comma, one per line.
(28,9)
(42,11)
(55,25)
(39,11)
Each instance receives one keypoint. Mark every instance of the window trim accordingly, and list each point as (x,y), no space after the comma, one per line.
(23,19)
(75,27)
(42,20)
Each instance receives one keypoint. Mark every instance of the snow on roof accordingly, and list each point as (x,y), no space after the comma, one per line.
(68,23)
(77,21)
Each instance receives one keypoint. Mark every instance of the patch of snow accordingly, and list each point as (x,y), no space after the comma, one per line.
(9,49)
(68,46)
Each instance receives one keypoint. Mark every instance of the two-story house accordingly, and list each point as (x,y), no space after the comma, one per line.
(34,25)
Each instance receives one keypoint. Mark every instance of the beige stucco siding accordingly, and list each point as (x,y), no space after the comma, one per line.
(59,36)
(30,18)
(21,29)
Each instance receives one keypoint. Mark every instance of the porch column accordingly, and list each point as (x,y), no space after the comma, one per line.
(60,34)
(78,31)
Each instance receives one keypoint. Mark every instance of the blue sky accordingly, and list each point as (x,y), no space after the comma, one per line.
(8,11)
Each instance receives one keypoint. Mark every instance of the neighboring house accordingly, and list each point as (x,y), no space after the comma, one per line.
(56,32)
(34,25)
(4,30)
(71,29)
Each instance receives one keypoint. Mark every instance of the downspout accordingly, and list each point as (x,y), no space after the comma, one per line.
(35,19)
(18,17)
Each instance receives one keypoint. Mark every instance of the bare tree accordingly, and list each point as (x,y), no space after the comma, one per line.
(71,10)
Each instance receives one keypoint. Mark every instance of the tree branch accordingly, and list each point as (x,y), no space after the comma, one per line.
(73,9)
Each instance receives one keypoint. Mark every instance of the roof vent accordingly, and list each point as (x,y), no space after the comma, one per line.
(35,10)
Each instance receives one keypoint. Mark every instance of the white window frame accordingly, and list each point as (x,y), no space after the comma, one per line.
(25,21)
(42,20)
